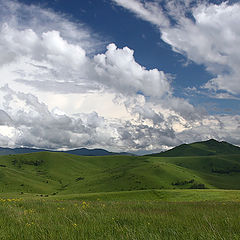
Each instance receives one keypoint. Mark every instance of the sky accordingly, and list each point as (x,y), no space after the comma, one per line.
(139,76)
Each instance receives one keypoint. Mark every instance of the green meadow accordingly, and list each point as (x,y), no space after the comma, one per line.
(118,216)
(50,195)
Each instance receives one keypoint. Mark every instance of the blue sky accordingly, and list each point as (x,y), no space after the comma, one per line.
(115,24)
(193,47)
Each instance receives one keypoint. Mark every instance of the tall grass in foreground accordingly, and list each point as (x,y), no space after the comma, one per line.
(26,219)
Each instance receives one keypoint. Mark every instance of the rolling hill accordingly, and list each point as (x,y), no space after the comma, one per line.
(205,148)
(63,173)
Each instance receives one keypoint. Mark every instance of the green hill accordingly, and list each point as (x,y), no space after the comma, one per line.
(206,148)
(61,173)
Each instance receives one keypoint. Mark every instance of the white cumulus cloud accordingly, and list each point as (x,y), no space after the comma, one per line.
(211,35)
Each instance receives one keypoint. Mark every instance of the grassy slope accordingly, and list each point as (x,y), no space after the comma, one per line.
(206,148)
(57,172)
(48,173)
(226,167)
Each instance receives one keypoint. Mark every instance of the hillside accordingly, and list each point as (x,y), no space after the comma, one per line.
(61,173)
(205,148)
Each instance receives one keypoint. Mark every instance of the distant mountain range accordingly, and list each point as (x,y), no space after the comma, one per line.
(80,151)
(205,148)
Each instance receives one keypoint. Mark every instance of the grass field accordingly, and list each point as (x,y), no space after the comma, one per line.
(52,196)
(135,215)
